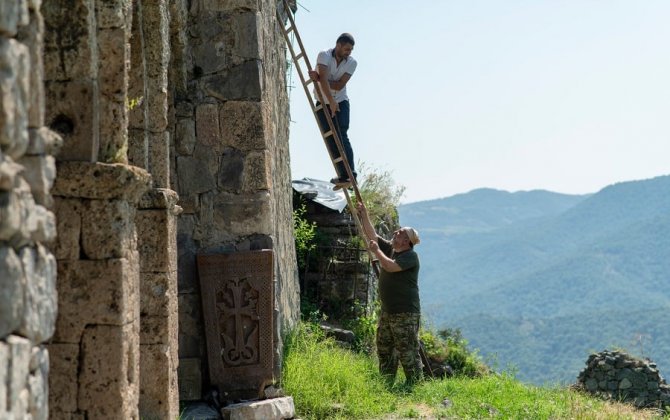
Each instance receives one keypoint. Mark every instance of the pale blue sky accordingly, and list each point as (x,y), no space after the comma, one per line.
(564,95)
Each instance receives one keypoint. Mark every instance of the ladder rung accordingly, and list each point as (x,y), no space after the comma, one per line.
(328,134)
(299,56)
(318,107)
(338,160)
(289,29)
(308,81)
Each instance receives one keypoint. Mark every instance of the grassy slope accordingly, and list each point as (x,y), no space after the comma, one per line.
(326,381)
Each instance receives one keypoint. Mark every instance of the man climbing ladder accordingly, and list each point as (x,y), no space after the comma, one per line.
(334,69)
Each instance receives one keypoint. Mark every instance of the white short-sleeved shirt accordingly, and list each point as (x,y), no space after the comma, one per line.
(335,72)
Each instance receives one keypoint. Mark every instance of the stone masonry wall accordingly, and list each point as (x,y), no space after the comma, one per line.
(114,353)
(618,376)
(231,159)
(28,302)
(123,100)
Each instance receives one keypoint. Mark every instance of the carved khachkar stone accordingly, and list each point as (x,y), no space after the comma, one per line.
(237,300)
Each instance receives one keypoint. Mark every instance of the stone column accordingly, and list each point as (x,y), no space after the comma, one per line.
(27,225)
(95,351)
(157,234)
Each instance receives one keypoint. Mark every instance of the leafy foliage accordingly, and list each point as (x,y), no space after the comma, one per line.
(448,346)
(305,234)
(381,196)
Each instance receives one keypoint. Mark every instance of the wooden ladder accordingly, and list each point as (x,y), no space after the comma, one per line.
(303,66)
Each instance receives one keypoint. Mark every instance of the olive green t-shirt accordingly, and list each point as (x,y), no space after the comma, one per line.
(399,291)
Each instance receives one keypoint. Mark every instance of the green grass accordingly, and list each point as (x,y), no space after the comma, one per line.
(328,382)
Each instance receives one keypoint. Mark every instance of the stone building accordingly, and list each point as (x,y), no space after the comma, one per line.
(135,135)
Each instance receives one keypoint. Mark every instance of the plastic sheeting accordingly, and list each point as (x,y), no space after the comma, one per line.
(321,192)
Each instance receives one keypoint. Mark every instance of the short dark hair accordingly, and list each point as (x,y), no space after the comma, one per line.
(346,38)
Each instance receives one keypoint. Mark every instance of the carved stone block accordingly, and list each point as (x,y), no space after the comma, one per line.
(237,297)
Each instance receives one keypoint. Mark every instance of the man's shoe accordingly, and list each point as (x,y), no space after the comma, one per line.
(340,183)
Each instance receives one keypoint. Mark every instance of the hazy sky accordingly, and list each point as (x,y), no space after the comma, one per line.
(564,95)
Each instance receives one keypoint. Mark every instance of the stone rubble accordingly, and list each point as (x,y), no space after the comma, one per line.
(618,376)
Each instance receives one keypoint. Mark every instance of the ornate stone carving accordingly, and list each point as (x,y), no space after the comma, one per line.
(237,298)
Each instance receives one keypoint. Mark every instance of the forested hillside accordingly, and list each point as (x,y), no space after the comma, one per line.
(541,279)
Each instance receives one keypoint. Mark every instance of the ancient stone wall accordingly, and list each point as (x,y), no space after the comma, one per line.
(618,376)
(115,346)
(113,103)
(231,159)
(28,302)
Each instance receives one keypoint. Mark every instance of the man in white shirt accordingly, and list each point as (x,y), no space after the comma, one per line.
(334,69)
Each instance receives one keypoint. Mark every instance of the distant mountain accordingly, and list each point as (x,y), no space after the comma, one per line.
(541,258)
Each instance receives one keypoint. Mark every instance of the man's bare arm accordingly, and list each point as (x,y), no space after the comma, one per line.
(325,89)
(340,84)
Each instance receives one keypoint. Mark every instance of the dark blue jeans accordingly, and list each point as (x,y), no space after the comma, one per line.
(341,123)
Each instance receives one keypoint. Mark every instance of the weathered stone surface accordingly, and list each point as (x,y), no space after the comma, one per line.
(96,292)
(40,173)
(17,396)
(4,359)
(159,159)
(70,45)
(159,397)
(277,408)
(43,141)
(257,171)
(14,79)
(160,198)
(242,215)
(112,13)
(238,83)
(207,125)
(32,35)
(231,171)
(38,384)
(39,316)
(68,224)
(109,373)
(108,229)
(191,333)
(230,5)
(158,295)
(73,111)
(113,133)
(63,381)
(8,172)
(11,16)
(185,136)
(100,181)
(190,379)
(193,178)
(156,230)
(242,125)
(138,148)
(11,291)
(157,56)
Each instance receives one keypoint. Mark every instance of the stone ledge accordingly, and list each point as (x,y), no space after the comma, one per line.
(160,198)
(276,408)
(101,181)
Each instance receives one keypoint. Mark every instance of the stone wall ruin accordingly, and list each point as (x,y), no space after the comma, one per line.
(618,376)
(125,125)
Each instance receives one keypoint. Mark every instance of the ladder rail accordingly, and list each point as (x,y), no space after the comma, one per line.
(331,126)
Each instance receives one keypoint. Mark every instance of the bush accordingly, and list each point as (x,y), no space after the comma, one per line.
(449,347)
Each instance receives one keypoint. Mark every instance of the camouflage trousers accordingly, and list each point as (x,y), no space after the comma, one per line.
(398,341)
